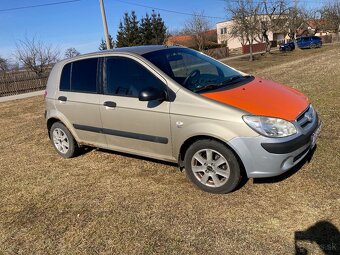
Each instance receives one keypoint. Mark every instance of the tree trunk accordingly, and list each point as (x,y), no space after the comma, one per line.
(251,57)
(266,38)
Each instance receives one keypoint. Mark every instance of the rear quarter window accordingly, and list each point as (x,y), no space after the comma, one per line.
(65,79)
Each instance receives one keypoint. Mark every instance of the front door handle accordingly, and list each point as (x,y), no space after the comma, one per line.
(62,98)
(110,104)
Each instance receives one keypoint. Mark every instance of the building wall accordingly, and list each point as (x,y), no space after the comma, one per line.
(223,37)
(232,42)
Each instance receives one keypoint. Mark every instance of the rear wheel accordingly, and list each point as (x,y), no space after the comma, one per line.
(63,141)
(212,166)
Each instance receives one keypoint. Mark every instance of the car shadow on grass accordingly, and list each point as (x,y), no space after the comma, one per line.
(243,180)
(137,157)
(323,233)
(290,172)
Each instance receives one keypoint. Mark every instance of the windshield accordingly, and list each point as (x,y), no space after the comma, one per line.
(194,70)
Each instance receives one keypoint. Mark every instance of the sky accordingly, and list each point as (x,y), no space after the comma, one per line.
(78,24)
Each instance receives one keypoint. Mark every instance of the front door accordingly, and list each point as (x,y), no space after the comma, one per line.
(131,125)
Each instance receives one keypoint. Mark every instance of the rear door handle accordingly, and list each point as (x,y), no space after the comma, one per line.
(110,104)
(62,98)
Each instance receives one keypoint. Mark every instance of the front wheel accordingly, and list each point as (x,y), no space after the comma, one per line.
(212,166)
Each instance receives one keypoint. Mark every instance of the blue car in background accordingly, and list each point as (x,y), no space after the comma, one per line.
(287,46)
(309,42)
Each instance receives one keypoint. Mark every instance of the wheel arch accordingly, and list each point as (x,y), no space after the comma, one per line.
(60,118)
(186,144)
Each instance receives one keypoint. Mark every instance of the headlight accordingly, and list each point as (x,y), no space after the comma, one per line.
(271,127)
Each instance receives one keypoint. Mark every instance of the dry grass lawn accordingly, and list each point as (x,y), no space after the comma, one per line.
(107,203)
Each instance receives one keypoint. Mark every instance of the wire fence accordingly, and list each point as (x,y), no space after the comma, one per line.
(21,82)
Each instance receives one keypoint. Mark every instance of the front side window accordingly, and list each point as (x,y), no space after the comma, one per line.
(194,70)
(126,77)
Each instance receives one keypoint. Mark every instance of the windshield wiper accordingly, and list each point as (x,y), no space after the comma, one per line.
(232,79)
(208,86)
(228,81)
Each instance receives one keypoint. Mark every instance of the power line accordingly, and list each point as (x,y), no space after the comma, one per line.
(38,5)
(167,10)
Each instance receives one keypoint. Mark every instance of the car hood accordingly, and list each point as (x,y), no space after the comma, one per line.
(265,98)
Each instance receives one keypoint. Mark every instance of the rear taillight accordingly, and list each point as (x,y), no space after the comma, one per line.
(45,94)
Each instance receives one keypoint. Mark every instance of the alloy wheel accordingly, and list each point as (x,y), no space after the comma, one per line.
(60,140)
(210,167)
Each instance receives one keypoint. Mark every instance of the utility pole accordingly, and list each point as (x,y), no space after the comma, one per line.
(108,42)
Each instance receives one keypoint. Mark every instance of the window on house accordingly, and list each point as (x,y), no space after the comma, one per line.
(223,30)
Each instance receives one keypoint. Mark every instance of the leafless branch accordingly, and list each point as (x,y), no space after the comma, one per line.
(197,26)
(246,21)
(35,55)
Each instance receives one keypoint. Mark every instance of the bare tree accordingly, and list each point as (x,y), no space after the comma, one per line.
(296,18)
(4,65)
(71,52)
(35,55)
(197,26)
(331,13)
(275,18)
(311,23)
(246,22)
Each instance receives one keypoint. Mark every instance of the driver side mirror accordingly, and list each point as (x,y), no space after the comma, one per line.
(150,94)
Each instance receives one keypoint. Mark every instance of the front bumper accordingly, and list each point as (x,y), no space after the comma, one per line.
(267,157)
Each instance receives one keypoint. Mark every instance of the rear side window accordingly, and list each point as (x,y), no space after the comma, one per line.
(126,77)
(80,76)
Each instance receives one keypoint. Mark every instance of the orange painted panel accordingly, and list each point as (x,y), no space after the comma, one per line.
(265,98)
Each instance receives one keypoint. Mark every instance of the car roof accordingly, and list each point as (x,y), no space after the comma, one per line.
(140,50)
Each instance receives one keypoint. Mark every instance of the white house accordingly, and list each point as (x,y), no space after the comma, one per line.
(224,37)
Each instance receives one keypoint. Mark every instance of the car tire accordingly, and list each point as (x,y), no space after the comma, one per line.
(212,166)
(63,141)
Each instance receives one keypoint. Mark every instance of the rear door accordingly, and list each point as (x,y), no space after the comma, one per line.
(78,100)
(131,125)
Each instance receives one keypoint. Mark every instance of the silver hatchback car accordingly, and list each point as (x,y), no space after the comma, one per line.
(179,105)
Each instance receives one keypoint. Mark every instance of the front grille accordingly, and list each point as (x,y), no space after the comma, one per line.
(306,118)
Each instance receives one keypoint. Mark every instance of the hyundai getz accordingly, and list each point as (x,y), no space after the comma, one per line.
(179,105)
